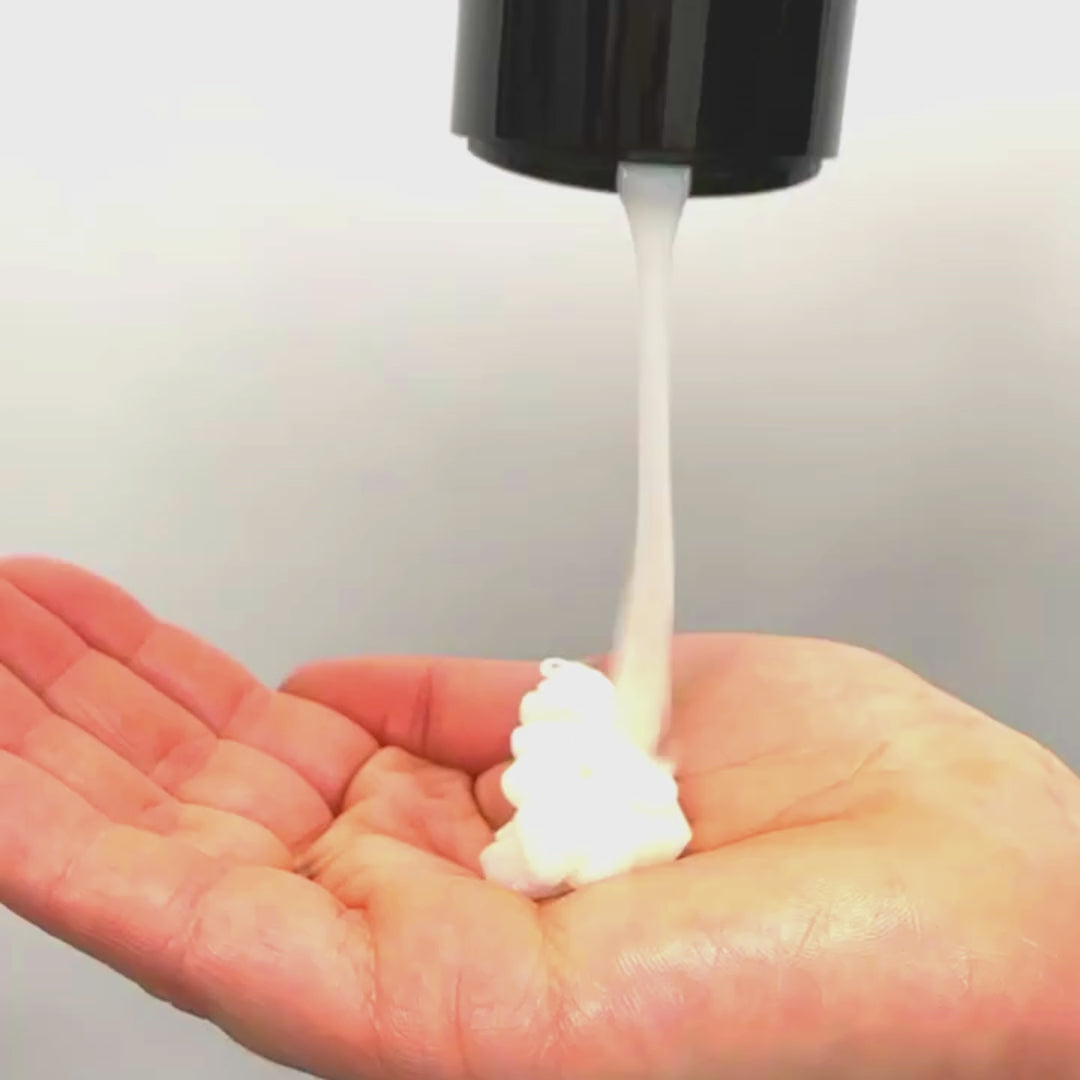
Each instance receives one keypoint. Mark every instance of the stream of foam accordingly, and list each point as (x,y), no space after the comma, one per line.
(654,197)
(591,799)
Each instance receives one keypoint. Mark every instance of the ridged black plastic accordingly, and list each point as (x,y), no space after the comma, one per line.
(748,92)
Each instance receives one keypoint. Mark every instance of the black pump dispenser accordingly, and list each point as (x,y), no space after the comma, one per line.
(750,93)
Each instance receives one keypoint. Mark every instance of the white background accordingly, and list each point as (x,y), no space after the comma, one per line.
(276,354)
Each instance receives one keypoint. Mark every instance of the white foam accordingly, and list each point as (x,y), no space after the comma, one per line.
(589,802)
(591,798)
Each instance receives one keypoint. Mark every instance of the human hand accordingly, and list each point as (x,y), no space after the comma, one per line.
(882,881)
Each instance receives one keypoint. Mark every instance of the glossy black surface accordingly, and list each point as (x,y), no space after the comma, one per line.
(749,92)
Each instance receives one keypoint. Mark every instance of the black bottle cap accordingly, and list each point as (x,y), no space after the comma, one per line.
(750,93)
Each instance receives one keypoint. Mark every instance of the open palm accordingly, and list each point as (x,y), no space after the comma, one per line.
(882,881)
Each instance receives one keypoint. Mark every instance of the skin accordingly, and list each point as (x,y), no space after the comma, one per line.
(883,882)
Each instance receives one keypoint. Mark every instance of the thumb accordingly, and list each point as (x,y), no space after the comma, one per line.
(454,712)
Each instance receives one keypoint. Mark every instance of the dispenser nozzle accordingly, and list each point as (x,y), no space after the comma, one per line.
(749,93)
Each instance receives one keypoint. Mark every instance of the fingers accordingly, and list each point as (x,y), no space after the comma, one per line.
(108,783)
(198,678)
(457,713)
(34,646)
(93,689)
(177,753)
(112,786)
(70,612)
(158,699)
